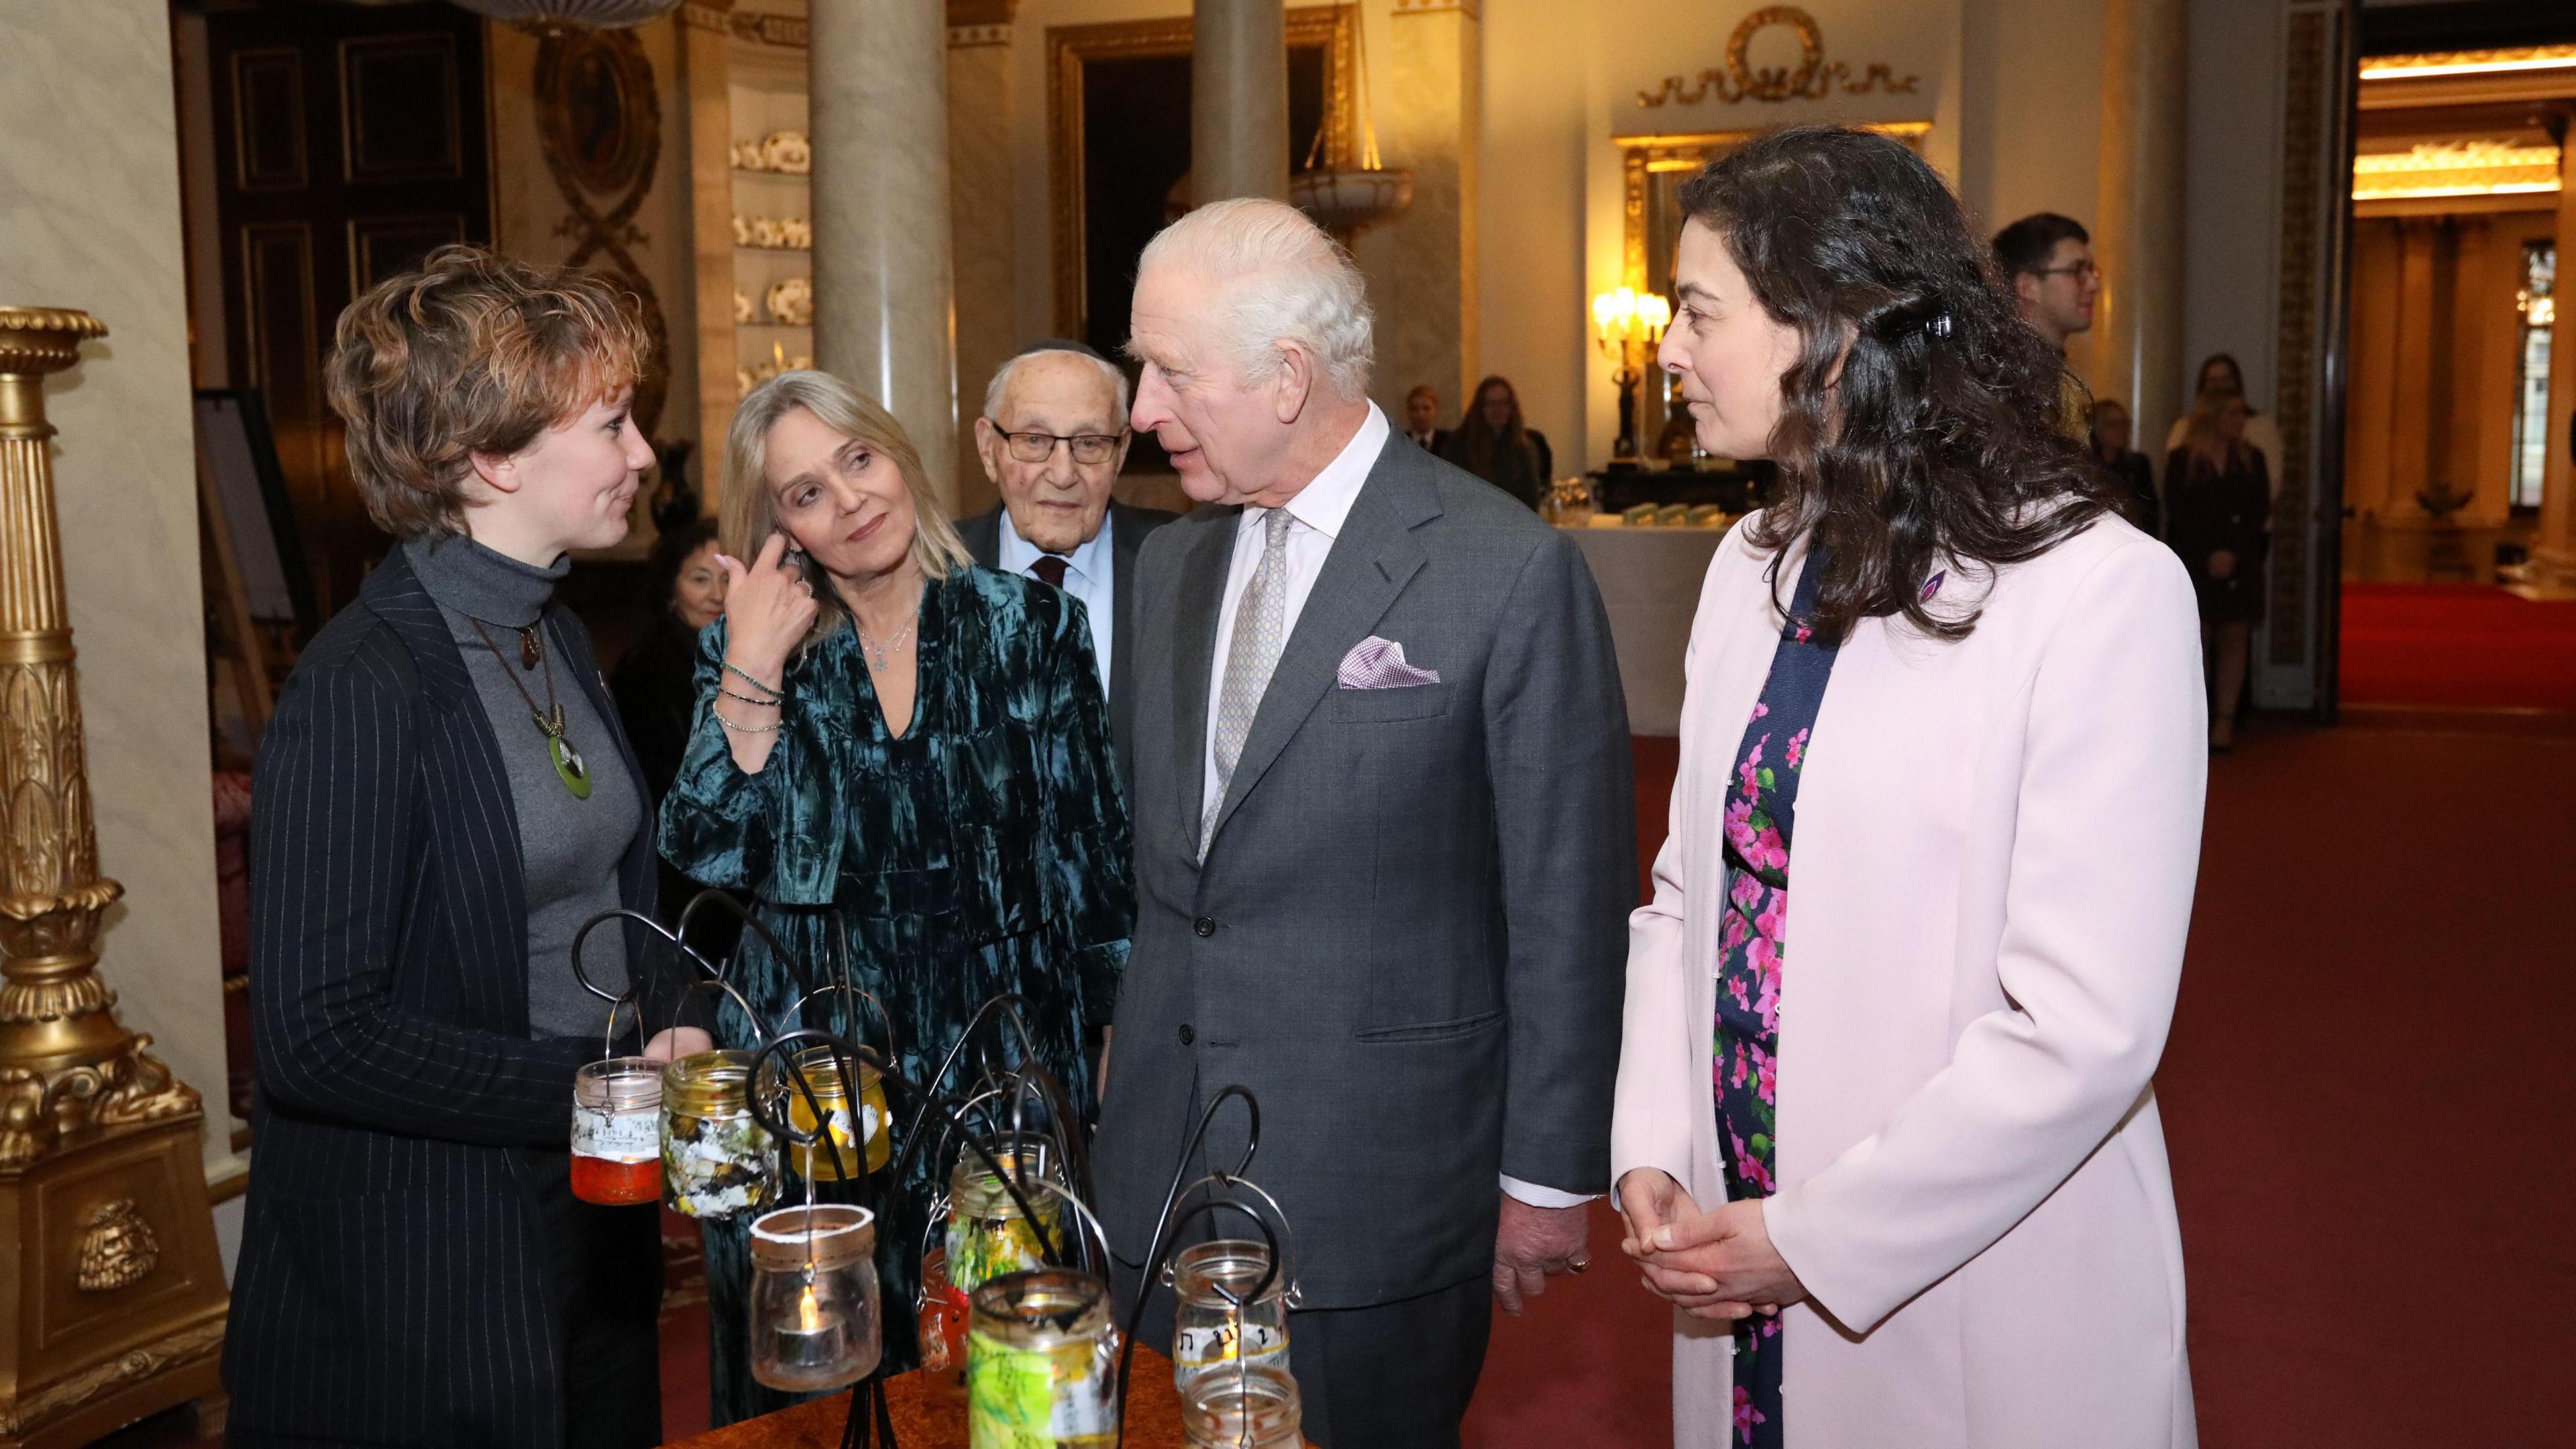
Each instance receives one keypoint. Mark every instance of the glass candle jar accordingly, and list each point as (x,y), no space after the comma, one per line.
(943,1308)
(1255,1408)
(814,1318)
(1041,1363)
(822,1075)
(616,1131)
(716,1161)
(988,1235)
(1209,1333)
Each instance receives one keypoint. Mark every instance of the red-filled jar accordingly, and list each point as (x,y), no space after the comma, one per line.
(617,1132)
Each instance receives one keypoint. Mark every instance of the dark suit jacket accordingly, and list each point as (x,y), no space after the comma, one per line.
(1128,528)
(1409,936)
(396,1284)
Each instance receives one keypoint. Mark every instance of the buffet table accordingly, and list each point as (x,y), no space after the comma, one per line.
(929,1409)
(1649,579)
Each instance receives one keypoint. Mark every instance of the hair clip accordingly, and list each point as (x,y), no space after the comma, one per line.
(1938,326)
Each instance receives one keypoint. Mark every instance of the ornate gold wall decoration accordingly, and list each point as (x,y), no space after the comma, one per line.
(93,1129)
(1815,78)
(117,1248)
(599,124)
(2462,168)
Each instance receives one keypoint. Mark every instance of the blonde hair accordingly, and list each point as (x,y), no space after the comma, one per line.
(748,514)
(473,353)
(2205,410)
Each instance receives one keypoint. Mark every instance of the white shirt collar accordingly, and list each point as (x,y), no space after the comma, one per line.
(1325,504)
(1017,553)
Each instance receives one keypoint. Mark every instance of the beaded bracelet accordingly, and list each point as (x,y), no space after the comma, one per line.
(773,702)
(741,729)
(775,695)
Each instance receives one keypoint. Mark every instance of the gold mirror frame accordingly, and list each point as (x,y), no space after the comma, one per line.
(1330,28)
(1655,166)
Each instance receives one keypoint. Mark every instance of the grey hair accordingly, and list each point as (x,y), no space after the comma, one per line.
(1281,278)
(1001,383)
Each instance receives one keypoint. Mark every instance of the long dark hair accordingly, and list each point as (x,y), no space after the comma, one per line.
(1479,442)
(1940,444)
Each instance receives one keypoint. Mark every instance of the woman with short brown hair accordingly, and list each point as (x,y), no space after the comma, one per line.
(442,799)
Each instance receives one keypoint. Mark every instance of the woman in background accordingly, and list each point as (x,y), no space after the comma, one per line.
(2127,466)
(1940,790)
(2219,370)
(443,798)
(888,732)
(656,682)
(2218,496)
(1492,442)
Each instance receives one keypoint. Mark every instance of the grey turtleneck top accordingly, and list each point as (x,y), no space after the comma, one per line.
(569,848)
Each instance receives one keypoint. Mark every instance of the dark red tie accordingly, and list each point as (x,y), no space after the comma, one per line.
(1049,569)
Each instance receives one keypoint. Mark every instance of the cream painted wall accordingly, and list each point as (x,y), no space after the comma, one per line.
(528,206)
(89,218)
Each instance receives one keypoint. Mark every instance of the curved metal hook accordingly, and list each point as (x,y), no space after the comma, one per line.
(768,937)
(656,927)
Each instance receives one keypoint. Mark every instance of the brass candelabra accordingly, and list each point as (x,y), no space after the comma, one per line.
(115,1305)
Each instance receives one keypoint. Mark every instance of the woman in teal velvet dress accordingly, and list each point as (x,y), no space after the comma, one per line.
(888,732)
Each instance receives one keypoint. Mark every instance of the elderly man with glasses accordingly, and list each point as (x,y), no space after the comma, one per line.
(1053,437)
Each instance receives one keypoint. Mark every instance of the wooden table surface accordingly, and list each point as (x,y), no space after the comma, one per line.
(930,1413)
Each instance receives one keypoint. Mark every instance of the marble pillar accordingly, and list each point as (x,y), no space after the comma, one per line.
(884,314)
(2138,233)
(2410,432)
(980,116)
(1238,100)
(1422,265)
(2554,546)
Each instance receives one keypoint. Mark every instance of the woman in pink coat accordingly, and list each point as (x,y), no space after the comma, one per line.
(1942,761)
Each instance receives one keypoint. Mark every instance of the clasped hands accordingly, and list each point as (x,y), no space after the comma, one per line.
(1716,1265)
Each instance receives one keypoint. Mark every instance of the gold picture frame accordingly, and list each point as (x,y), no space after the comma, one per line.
(1654,167)
(1331,28)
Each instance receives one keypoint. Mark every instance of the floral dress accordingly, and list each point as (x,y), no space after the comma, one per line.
(1761,806)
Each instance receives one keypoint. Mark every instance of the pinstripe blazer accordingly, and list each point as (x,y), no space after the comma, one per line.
(395,1286)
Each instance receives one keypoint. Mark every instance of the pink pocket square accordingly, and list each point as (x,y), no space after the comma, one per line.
(1376,663)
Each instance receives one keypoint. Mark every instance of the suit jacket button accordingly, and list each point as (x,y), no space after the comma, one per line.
(1187,1036)
(1205,926)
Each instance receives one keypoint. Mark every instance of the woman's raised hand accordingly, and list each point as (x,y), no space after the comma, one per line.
(769,606)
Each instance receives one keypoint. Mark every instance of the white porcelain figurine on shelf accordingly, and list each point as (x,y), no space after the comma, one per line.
(787,151)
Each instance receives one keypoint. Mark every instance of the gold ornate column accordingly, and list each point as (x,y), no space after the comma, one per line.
(114,1303)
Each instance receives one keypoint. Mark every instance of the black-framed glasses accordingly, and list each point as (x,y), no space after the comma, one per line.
(2080,271)
(1088,448)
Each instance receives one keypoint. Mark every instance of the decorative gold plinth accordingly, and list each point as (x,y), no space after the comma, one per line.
(113,1306)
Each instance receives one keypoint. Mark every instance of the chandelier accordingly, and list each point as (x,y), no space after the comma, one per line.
(602,14)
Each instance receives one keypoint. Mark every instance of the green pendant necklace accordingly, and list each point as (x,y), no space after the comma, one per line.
(549,720)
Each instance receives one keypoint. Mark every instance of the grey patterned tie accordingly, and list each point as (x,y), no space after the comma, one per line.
(1260,629)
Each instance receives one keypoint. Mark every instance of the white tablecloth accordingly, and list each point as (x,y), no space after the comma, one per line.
(1650,580)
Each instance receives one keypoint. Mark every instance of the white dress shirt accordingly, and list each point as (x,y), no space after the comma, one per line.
(1090,574)
(1316,517)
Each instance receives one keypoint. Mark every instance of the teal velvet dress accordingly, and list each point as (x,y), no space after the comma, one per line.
(984,850)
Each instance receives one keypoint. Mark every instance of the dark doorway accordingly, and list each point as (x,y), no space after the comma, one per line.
(350,142)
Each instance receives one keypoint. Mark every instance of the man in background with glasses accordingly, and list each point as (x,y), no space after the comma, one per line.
(1053,437)
(2047,260)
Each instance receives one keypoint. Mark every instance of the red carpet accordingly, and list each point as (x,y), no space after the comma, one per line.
(2458,645)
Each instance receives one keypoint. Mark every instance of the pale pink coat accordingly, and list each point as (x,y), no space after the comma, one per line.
(1989,885)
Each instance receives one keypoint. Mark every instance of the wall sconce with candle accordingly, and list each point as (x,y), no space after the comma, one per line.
(1623,322)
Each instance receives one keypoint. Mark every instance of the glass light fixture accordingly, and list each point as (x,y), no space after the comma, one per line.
(1623,322)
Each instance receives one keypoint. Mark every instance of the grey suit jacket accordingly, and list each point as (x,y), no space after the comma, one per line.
(1410,932)
(1128,528)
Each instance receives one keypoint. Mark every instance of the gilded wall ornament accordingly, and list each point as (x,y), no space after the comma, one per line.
(1814,79)
(117,1248)
(600,127)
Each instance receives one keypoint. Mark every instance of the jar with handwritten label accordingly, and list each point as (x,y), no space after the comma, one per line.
(617,1131)
(1217,1319)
